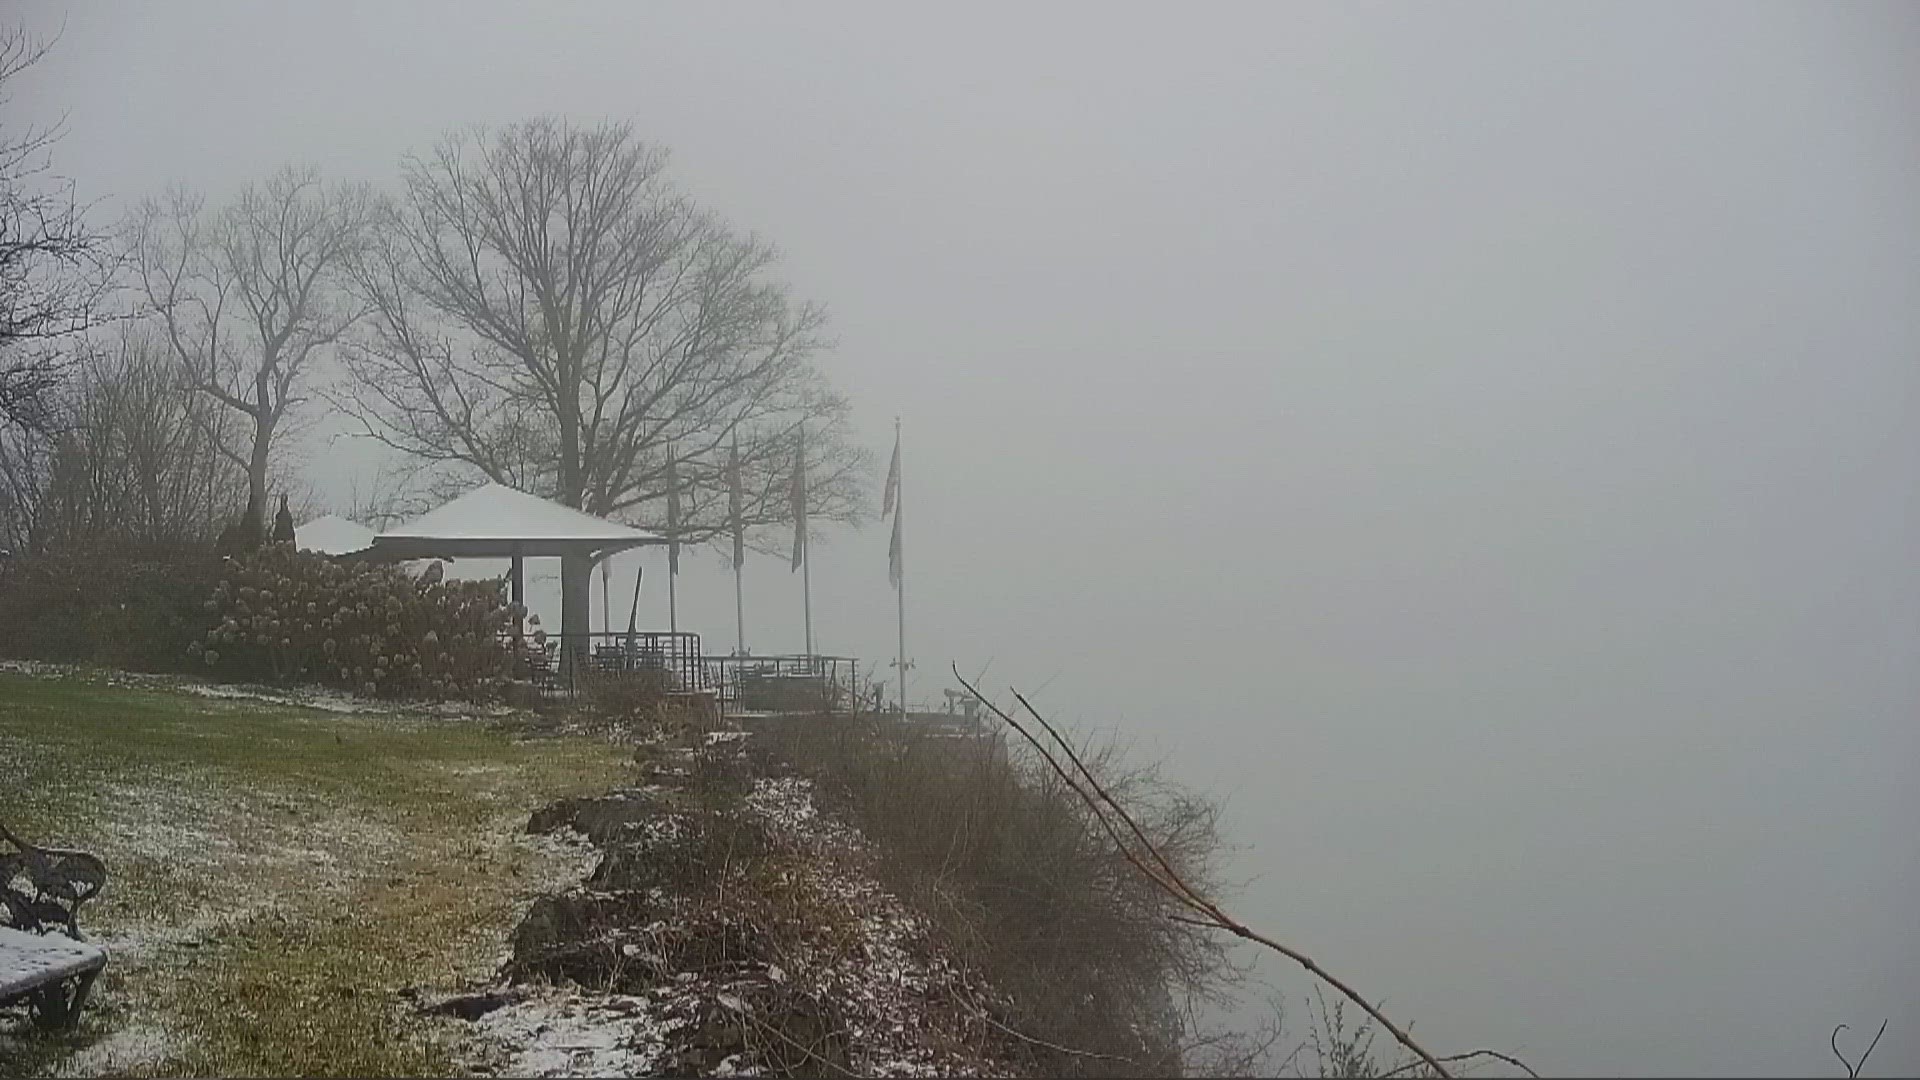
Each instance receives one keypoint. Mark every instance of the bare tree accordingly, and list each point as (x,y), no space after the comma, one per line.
(24,470)
(551,313)
(52,276)
(250,295)
(139,455)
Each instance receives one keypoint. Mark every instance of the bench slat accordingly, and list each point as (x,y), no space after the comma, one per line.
(28,960)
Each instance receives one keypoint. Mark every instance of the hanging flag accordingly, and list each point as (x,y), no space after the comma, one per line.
(893,479)
(894,564)
(890,504)
(673,512)
(799,501)
(734,518)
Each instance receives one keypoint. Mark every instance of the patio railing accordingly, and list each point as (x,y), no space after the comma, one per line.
(789,683)
(796,683)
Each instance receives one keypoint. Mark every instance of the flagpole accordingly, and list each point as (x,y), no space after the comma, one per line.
(900,590)
(903,642)
(673,538)
(806,595)
(802,541)
(738,528)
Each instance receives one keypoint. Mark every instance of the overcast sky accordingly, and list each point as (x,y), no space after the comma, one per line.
(1478,440)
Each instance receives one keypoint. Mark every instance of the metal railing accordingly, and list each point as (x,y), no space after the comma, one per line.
(676,654)
(790,683)
(796,683)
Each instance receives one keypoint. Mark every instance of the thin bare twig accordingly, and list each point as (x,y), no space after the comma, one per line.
(1105,808)
(1099,790)
(1468,1056)
(1024,1037)
(1854,1067)
(808,1052)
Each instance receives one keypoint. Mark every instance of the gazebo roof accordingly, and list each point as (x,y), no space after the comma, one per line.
(496,521)
(332,535)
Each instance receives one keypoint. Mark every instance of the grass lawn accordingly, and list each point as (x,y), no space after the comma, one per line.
(279,875)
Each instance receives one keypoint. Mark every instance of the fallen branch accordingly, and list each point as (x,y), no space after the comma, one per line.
(1106,810)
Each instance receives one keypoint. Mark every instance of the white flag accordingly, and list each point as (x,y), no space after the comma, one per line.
(893,480)
(890,504)
(894,564)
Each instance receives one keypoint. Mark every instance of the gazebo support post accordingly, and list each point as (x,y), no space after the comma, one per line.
(518,578)
(576,575)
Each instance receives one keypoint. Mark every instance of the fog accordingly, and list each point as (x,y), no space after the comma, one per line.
(1479,442)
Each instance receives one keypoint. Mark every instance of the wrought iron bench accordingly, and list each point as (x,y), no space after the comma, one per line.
(42,890)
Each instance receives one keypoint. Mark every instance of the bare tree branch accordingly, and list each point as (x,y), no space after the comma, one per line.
(139,456)
(54,271)
(550,313)
(249,295)
(1468,1056)
(1854,1067)
(1146,858)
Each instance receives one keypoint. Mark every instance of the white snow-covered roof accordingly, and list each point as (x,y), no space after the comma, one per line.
(332,535)
(496,520)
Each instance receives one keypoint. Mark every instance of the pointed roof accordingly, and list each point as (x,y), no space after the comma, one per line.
(332,535)
(496,521)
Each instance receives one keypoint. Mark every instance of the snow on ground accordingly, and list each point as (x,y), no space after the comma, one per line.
(785,806)
(900,1001)
(39,669)
(132,1050)
(304,697)
(324,700)
(886,982)
(570,1034)
(568,855)
(193,819)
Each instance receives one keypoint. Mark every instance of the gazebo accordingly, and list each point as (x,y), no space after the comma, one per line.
(498,522)
(333,535)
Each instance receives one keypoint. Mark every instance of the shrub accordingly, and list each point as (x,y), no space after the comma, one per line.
(1007,862)
(281,614)
(125,604)
(638,694)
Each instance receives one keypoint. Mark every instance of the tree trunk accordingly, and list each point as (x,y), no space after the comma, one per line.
(256,520)
(576,572)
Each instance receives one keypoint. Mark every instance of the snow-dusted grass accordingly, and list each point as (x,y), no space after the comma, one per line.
(279,872)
